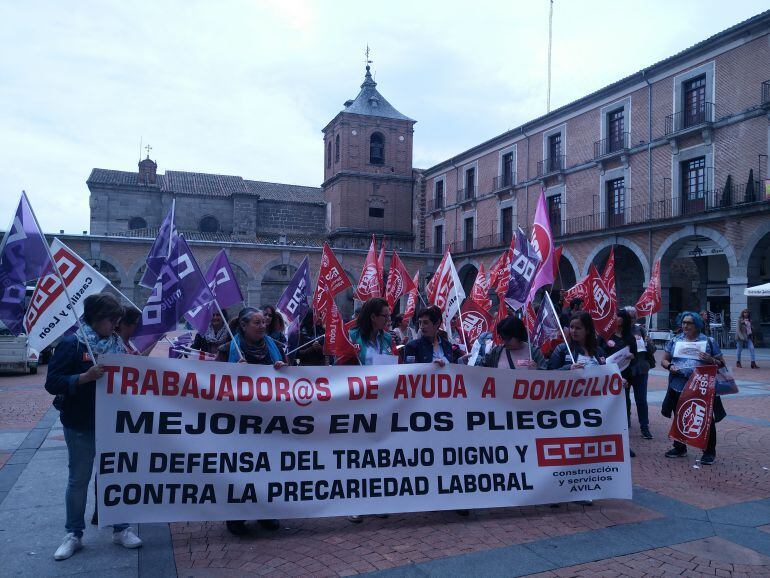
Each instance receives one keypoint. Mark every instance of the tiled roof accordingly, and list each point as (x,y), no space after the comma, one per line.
(210,185)
(370,102)
(281,192)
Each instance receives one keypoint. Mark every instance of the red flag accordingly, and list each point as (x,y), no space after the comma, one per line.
(608,276)
(695,410)
(368,285)
(480,291)
(399,281)
(336,340)
(529,317)
(353,323)
(411,302)
(475,321)
(650,301)
(500,274)
(502,313)
(381,268)
(556,261)
(431,287)
(542,239)
(578,291)
(599,304)
(331,281)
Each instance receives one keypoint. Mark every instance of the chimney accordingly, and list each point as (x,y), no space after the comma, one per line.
(147,171)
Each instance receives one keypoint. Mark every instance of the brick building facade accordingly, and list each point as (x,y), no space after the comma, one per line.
(669,163)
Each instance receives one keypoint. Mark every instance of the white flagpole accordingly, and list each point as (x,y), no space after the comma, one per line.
(172,226)
(61,279)
(560,327)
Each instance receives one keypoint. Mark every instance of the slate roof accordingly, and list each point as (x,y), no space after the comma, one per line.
(209,185)
(370,102)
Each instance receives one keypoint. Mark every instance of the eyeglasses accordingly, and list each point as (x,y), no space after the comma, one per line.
(688,322)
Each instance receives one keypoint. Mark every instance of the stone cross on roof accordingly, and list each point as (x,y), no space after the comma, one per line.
(148,148)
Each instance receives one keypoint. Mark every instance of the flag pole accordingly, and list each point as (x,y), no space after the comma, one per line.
(558,321)
(61,279)
(229,331)
(172,227)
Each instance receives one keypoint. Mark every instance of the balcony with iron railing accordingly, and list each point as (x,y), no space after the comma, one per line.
(611,146)
(466,195)
(690,119)
(503,182)
(735,197)
(436,204)
(552,165)
(766,93)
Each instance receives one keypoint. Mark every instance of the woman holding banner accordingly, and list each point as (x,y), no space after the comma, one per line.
(515,352)
(583,344)
(72,379)
(216,335)
(685,351)
(376,345)
(251,344)
(622,339)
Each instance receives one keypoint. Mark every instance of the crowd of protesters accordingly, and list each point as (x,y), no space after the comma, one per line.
(258,336)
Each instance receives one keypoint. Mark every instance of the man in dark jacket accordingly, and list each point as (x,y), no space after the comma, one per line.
(430,346)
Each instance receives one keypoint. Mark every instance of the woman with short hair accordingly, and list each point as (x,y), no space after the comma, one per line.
(258,348)
(72,379)
(680,366)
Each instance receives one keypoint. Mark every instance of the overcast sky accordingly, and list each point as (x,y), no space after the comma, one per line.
(244,88)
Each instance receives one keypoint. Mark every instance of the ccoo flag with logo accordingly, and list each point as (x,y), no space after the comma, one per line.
(221,280)
(160,250)
(23,257)
(293,303)
(695,410)
(523,267)
(547,331)
(179,288)
(49,315)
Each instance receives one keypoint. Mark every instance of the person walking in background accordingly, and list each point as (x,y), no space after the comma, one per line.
(744,337)
(72,379)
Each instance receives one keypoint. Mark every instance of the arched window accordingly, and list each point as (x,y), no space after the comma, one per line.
(136,223)
(337,149)
(209,224)
(329,155)
(377,149)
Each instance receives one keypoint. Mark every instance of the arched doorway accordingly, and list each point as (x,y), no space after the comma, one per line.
(566,276)
(467,274)
(629,273)
(694,272)
(758,273)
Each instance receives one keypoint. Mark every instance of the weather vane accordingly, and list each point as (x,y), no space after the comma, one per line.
(368,62)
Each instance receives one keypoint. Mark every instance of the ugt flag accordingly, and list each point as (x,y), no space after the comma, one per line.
(160,250)
(399,281)
(608,276)
(523,267)
(49,314)
(599,304)
(480,290)
(411,302)
(651,299)
(449,293)
(23,257)
(221,280)
(179,288)
(332,280)
(475,321)
(336,340)
(692,420)
(370,282)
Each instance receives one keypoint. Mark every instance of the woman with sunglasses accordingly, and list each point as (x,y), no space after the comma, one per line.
(680,361)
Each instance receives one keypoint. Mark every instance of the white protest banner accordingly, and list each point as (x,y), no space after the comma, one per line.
(189,440)
(49,315)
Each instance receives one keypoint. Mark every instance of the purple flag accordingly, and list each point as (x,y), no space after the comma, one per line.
(160,250)
(293,303)
(547,328)
(523,268)
(180,287)
(23,257)
(221,280)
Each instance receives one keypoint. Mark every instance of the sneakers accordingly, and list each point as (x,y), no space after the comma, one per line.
(355,519)
(646,432)
(707,459)
(126,538)
(676,453)
(70,545)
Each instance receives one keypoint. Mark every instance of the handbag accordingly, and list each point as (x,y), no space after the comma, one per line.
(725,382)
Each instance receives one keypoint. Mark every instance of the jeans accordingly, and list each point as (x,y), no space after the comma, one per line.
(81,449)
(750,344)
(639,383)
